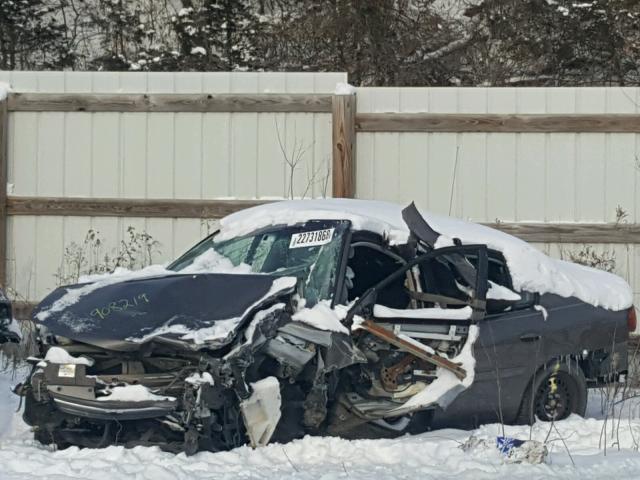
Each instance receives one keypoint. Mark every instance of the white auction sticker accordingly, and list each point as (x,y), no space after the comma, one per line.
(311,239)
(67,370)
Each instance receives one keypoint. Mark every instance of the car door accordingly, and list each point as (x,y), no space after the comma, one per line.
(510,339)
(434,324)
(510,348)
(436,296)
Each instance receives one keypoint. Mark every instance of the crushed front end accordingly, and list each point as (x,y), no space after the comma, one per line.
(136,376)
(160,385)
(176,399)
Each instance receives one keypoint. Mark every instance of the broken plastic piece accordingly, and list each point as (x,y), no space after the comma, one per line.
(261,411)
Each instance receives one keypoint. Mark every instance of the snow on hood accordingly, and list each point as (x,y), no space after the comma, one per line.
(206,307)
(531,270)
(209,261)
(221,329)
(67,308)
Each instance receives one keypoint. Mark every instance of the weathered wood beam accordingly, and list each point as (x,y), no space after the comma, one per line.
(116,207)
(4,141)
(498,123)
(344,146)
(572,232)
(168,102)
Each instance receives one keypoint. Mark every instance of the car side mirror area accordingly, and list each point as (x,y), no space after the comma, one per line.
(7,333)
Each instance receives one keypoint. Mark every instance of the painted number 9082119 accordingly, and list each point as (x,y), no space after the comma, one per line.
(120,305)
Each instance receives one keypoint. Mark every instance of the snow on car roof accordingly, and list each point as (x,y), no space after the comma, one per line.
(531,270)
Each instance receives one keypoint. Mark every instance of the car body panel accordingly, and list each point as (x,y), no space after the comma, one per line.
(514,346)
(122,315)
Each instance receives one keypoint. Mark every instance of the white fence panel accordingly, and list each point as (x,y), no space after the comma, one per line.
(513,177)
(517,177)
(153,155)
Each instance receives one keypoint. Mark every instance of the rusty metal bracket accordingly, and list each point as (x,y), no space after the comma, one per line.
(390,337)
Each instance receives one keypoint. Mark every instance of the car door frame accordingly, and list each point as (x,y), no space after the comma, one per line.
(477,303)
(508,353)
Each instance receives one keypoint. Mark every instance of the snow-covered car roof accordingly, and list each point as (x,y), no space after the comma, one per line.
(531,270)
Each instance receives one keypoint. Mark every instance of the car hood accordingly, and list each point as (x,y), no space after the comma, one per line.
(195,310)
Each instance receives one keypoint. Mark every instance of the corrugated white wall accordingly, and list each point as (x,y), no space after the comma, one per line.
(158,155)
(516,177)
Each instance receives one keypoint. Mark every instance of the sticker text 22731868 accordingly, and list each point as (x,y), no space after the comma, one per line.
(312,238)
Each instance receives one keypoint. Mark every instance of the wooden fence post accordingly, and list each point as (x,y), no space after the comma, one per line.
(4,142)
(343,117)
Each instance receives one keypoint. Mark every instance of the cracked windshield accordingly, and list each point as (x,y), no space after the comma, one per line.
(310,252)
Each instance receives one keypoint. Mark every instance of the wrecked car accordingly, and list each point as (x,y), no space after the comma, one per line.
(334,317)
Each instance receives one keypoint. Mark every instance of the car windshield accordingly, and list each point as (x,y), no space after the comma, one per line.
(310,252)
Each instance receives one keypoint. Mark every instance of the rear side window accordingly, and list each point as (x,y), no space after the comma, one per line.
(497,268)
(501,296)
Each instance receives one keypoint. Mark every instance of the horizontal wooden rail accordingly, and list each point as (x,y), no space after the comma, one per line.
(572,232)
(116,207)
(169,102)
(498,123)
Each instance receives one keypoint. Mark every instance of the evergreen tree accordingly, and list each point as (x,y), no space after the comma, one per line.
(31,36)
(217,34)
(558,42)
(378,42)
(130,37)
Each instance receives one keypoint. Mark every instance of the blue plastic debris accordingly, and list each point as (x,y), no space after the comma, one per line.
(506,444)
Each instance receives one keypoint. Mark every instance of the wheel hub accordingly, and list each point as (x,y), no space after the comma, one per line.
(554,399)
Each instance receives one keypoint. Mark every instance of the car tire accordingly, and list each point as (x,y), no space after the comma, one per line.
(555,392)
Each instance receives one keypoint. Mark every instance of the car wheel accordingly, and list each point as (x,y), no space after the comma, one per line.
(554,393)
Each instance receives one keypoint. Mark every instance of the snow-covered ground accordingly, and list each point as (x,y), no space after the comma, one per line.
(434,455)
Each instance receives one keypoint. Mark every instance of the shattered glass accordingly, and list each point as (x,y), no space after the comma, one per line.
(270,251)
